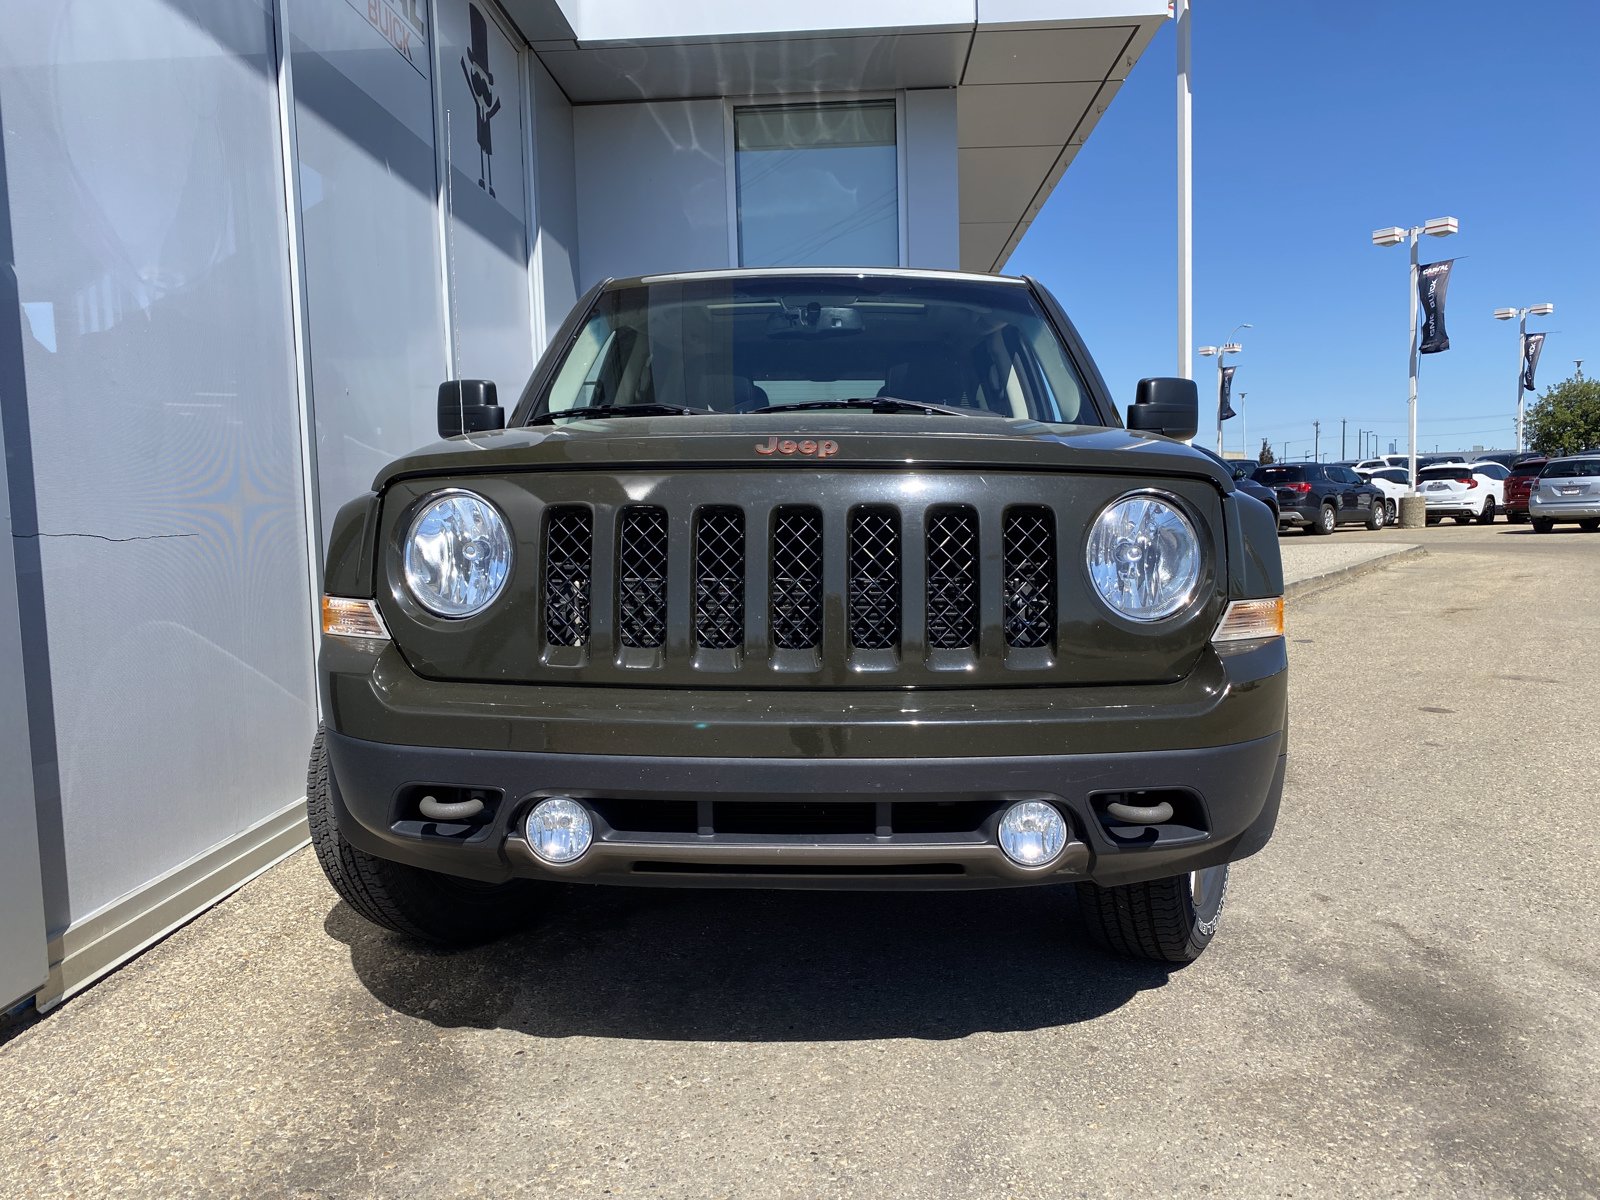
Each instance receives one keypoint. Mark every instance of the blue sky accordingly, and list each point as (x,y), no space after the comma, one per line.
(1314,124)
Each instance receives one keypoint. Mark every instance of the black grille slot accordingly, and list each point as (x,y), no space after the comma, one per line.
(568,575)
(874,578)
(952,578)
(1030,570)
(719,578)
(642,577)
(797,579)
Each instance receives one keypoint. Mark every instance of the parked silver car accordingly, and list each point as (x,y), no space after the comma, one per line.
(1568,490)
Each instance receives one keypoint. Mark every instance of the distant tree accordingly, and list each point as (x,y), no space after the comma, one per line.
(1266,452)
(1566,419)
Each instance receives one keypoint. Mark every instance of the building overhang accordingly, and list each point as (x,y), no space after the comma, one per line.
(1032,77)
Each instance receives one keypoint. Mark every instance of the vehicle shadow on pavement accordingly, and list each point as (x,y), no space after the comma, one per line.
(687,965)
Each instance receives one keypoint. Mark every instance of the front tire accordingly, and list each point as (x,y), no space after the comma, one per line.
(1165,920)
(420,904)
(1326,520)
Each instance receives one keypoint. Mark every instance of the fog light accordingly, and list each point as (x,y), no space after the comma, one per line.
(1033,833)
(558,830)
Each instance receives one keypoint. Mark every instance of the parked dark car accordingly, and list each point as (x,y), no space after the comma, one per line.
(803,579)
(1519,485)
(1241,469)
(1318,497)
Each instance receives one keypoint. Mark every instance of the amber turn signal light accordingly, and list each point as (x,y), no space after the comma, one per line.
(1251,621)
(343,617)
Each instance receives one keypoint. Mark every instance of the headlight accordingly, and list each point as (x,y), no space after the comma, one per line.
(1144,557)
(458,555)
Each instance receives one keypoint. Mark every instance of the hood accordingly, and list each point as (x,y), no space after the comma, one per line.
(858,439)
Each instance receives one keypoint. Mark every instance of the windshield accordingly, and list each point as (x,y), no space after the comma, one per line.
(1573,468)
(736,344)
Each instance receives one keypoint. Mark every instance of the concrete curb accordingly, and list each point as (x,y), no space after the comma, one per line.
(1342,575)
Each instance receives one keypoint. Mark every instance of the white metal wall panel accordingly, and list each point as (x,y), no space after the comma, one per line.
(933,218)
(363,110)
(173,677)
(652,188)
(556,202)
(486,201)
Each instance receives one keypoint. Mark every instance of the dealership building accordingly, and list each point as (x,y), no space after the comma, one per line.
(246,241)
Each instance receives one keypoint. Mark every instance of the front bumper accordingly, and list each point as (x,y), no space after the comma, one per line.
(1215,740)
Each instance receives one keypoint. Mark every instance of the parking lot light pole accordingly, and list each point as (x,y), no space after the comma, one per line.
(1393,236)
(1522,315)
(1244,436)
(1229,346)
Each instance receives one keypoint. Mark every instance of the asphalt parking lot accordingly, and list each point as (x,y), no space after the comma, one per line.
(1404,998)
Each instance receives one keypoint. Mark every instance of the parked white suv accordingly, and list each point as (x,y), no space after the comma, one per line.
(1465,491)
(1391,481)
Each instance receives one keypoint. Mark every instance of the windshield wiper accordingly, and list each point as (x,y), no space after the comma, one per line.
(882,404)
(615,410)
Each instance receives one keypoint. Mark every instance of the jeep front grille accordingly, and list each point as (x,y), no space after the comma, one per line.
(568,575)
(796,613)
(1030,569)
(719,578)
(642,577)
(952,578)
(874,578)
(952,593)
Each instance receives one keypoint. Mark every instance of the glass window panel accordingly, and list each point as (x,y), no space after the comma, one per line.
(817,185)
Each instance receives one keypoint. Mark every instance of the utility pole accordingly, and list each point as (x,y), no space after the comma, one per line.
(1244,436)
(1316,441)
(1341,438)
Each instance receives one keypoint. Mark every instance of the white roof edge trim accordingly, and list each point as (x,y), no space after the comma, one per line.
(831,272)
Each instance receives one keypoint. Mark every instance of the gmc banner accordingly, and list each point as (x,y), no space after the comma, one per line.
(1432,281)
(1224,408)
(1532,344)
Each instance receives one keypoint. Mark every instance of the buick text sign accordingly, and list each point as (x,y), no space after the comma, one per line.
(1432,281)
(1532,345)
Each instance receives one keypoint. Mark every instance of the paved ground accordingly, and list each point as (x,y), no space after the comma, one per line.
(1404,999)
(1309,559)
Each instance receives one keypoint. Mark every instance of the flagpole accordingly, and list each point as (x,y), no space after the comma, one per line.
(1522,355)
(1180,10)
(1416,233)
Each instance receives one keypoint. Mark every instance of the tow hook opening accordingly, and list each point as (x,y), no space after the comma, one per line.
(1150,817)
(445,811)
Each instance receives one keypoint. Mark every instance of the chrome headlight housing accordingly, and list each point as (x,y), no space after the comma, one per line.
(457,554)
(1144,557)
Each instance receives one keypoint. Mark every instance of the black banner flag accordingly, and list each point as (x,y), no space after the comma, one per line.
(1432,281)
(1224,408)
(1532,344)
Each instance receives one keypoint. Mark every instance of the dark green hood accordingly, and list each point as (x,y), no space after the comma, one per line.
(864,439)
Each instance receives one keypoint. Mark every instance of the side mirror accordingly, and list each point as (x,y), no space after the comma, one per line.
(1170,407)
(469,406)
